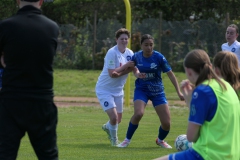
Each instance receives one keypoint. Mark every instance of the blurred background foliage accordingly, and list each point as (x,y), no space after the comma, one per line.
(87,27)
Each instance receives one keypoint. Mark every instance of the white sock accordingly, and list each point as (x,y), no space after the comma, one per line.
(107,124)
(159,140)
(113,130)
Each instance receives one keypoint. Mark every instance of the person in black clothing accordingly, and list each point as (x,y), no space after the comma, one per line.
(28,42)
(1,72)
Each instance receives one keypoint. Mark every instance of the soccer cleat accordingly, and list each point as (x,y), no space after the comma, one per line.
(114,141)
(104,127)
(124,144)
(163,144)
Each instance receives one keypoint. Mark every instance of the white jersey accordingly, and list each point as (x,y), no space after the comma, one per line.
(235,48)
(113,59)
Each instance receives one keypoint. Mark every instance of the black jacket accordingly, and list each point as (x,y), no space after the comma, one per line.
(28,41)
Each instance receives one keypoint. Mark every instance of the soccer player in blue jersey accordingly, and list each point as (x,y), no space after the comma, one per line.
(214,117)
(148,86)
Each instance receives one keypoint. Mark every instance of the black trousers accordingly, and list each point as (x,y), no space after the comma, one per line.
(37,118)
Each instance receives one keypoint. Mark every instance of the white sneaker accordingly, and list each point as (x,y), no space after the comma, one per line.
(163,144)
(104,127)
(124,144)
(114,141)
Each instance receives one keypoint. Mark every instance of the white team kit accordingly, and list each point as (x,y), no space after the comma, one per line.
(109,90)
(235,48)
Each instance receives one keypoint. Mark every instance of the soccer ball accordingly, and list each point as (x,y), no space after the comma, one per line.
(181,143)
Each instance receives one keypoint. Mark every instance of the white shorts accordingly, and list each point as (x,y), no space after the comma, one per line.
(108,101)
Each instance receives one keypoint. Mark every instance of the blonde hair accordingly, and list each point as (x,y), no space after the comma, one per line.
(199,61)
(227,63)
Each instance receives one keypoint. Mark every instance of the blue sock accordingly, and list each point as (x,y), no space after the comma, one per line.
(131,129)
(162,134)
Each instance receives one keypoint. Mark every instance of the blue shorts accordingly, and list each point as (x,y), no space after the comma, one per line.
(157,99)
(189,154)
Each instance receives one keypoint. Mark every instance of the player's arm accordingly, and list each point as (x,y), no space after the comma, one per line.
(2,60)
(124,69)
(203,107)
(193,132)
(138,74)
(174,81)
(115,74)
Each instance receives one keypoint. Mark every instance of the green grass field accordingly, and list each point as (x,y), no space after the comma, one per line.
(80,136)
(82,83)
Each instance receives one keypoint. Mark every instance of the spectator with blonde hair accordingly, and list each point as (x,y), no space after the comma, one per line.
(226,66)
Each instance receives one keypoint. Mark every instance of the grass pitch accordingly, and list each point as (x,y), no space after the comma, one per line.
(80,136)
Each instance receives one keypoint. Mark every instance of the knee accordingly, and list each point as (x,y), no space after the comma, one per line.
(119,120)
(114,120)
(166,126)
(138,116)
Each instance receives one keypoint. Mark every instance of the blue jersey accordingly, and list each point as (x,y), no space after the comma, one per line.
(153,66)
(203,105)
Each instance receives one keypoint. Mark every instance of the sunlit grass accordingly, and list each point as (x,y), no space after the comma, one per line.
(81,83)
(80,136)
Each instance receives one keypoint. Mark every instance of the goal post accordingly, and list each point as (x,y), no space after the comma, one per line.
(128,27)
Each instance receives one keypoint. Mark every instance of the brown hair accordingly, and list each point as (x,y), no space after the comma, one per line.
(199,61)
(227,62)
(146,36)
(121,31)
(234,26)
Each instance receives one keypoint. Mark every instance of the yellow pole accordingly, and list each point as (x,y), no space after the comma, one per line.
(128,26)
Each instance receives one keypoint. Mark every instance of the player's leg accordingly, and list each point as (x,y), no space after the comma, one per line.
(189,154)
(163,158)
(162,110)
(112,125)
(108,105)
(42,130)
(140,101)
(10,130)
(119,106)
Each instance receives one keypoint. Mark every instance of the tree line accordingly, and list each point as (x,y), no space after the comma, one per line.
(178,33)
(77,11)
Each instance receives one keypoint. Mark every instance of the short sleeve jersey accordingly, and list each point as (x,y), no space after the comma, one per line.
(235,48)
(113,59)
(153,66)
(203,105)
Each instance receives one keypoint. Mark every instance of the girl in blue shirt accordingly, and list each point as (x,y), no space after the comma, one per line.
(214,112)
(148,86)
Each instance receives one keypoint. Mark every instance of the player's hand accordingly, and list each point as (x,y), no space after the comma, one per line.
(140,75)
(130,64)
(2,60)
(115,74)
(186,88)
(180,95)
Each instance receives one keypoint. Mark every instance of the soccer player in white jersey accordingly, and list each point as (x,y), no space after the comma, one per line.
(232,44)
(109,87)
